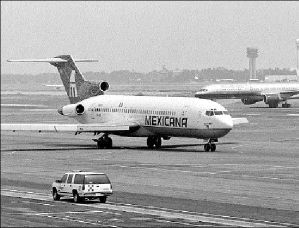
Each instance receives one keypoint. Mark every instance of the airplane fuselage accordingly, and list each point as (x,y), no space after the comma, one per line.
(242,90)
(163,116)
(250,93)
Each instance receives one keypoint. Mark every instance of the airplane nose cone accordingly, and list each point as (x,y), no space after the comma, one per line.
(226,122)
(198,93)
(60,111)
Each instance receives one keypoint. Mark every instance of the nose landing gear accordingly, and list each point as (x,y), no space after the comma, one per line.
(210,146)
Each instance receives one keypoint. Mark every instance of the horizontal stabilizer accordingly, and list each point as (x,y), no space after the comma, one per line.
(51,60)
(241,120)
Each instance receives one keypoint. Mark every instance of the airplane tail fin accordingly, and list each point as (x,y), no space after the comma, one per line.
(76,87)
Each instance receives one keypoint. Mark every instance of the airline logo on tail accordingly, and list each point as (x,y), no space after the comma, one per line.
(73,88)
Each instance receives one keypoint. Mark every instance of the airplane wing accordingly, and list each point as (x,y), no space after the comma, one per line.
(75,128)
(241,120)
(284,95)
(288,94)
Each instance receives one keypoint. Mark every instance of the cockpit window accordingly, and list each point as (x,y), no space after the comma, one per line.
(203,90)
(210,113)
(216,113)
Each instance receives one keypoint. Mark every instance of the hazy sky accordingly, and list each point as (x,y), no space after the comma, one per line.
(143,36)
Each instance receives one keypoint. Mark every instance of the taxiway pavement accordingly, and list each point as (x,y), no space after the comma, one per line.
(251,180)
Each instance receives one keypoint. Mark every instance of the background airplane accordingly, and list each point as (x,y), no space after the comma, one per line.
(250,93)
(134,116)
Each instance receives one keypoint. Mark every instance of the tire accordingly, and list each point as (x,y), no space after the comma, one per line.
(158,142)
(77,198)
(108,143)
(273,104)
(207,147)
(150,142)
(213,147)
(103,199)
(56,197)
(100,144)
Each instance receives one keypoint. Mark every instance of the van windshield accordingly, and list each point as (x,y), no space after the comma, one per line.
(96,179)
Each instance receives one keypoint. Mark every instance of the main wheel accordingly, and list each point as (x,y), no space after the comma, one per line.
(77,198)
(207,147)
(213,147)
(103,199)
(150,142)
(108,143)
(158,142)
(100,144)
(55,195)
(273,104)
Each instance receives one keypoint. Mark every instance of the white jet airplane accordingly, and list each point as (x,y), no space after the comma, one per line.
(133,116)
(250,93)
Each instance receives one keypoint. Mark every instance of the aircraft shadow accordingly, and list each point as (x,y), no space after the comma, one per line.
(164,148)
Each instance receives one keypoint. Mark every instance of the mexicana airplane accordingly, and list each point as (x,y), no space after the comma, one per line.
(134,116)
(250,93)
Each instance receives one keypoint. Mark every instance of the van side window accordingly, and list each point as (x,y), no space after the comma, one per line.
(79,179)
(63,179)
(69,179)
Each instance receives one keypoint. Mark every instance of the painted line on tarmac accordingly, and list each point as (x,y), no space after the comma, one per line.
(223,220)
(206,172)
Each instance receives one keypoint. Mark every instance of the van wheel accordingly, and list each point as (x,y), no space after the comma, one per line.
(77,198)
(55,195)
(103,199)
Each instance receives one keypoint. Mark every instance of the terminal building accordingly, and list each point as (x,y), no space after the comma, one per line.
(281,78)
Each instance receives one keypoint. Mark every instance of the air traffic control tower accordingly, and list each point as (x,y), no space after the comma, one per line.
(252,55)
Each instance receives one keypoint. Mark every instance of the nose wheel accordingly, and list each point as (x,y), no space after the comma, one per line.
(210,146)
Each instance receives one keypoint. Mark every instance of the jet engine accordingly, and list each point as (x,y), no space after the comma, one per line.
(72,110)
(251,100)
(272,98)
(90,89)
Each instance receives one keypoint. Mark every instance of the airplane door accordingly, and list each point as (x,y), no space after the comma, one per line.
(186,111)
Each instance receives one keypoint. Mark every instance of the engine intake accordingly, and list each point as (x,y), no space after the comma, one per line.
(104,86)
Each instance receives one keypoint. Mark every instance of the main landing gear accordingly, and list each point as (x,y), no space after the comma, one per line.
(104,142)
(154,141)
(285,105)
(210,146)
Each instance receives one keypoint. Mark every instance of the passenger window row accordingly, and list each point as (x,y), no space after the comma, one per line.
(138,111)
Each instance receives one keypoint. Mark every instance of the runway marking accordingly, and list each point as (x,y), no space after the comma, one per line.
(39,110)
(253,114)
(22,105)
(213,173)
(168,214)
(293,114)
